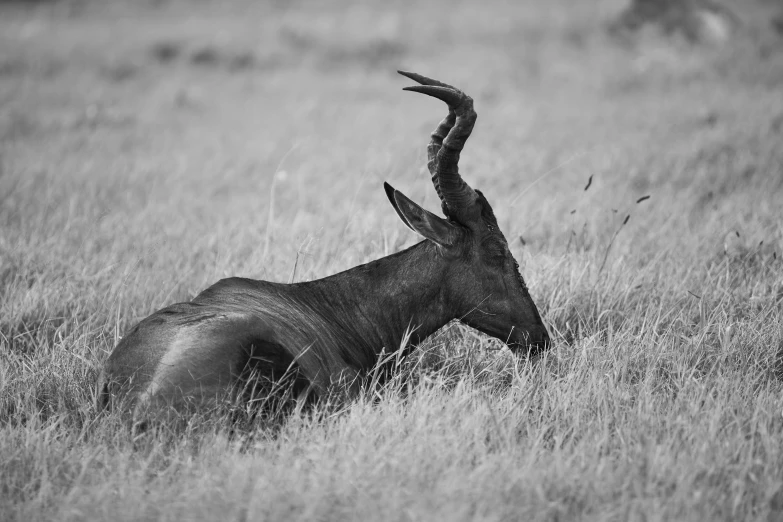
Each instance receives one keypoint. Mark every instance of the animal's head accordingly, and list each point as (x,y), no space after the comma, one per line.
(485,279)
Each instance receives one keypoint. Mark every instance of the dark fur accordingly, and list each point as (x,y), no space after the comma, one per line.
(326,334)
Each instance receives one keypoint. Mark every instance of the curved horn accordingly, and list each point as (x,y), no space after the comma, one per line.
(436,138)
(457,197)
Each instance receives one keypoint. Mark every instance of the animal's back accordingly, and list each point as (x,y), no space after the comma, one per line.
(196,350)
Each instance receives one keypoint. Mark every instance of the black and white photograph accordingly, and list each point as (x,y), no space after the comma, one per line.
(364,260)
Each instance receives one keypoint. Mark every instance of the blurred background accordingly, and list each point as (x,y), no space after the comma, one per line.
(149,148)
(632,151)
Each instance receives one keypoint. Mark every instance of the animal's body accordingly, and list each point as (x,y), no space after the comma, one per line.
(331,331)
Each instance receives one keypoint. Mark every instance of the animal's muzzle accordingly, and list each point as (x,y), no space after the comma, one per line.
(543,343)
(533,343)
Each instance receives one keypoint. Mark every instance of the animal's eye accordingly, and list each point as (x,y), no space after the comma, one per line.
(495,251)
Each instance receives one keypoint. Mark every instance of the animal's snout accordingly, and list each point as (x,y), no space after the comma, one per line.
(543,342)
(532,341)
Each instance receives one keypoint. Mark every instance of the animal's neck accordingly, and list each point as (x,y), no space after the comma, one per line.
(379,301)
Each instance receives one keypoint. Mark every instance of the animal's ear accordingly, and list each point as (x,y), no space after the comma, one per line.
(390,194)
(420,220)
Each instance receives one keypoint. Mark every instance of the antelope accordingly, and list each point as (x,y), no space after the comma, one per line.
(330,332)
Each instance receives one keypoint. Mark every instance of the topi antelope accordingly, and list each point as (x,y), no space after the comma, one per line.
(331,331)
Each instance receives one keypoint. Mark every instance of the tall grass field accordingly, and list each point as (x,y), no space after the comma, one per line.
(151,148)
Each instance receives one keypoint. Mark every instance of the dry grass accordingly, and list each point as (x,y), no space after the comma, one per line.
(139,144)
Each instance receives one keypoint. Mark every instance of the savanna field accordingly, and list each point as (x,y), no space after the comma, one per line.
(148,149)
